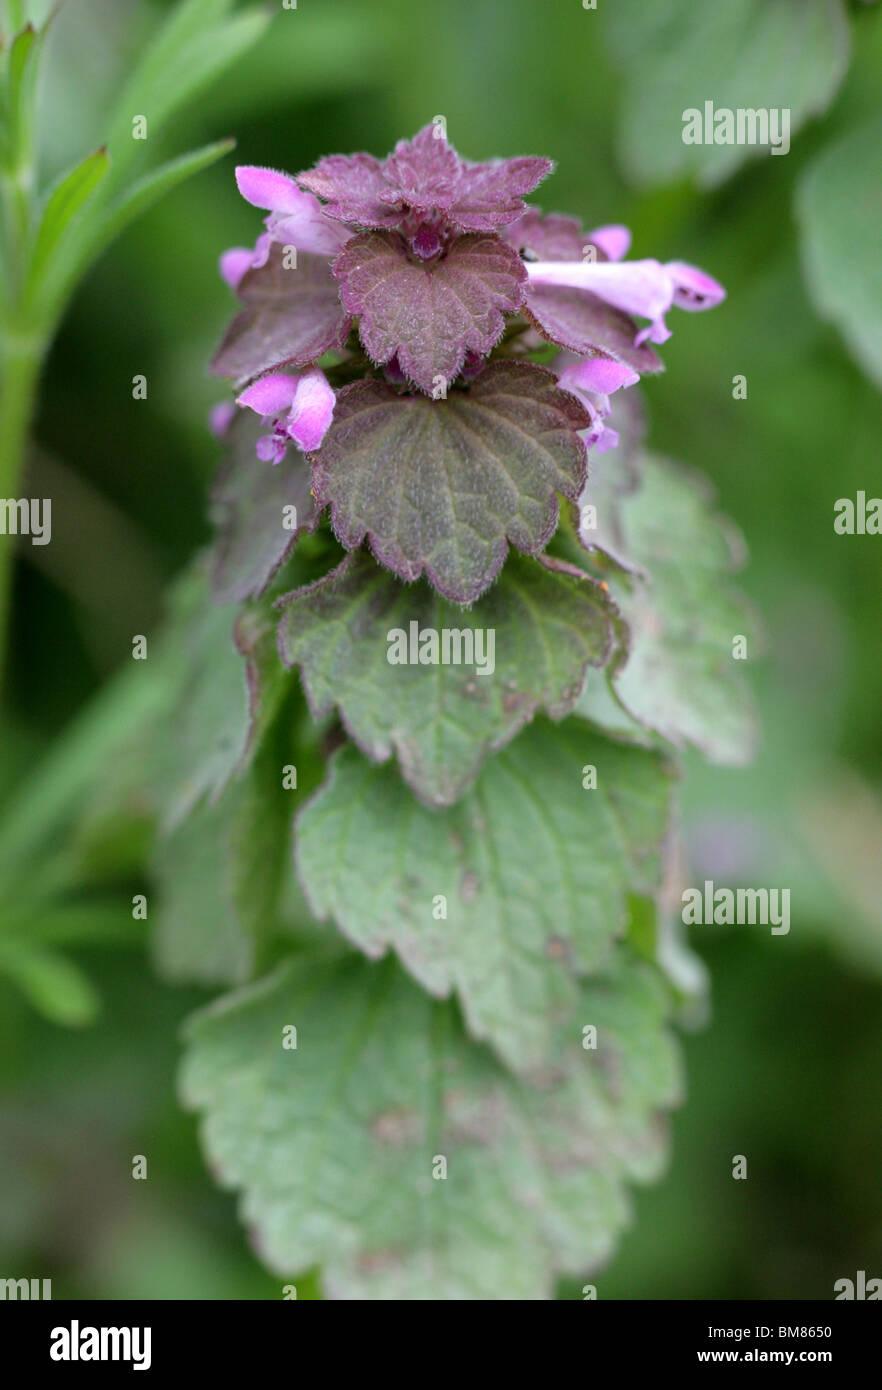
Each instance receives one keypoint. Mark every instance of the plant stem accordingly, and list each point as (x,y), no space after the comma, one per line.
(16,11)
(23,340)
(21,358)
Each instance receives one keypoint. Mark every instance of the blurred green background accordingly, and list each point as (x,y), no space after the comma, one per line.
(788,1069)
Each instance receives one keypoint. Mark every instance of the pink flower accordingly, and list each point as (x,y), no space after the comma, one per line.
(295,219)
(309,402)
(645,288)
(220,417)
(234,263)
(593,381)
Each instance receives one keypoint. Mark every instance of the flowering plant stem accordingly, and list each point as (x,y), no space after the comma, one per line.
(22,357)
(24,340)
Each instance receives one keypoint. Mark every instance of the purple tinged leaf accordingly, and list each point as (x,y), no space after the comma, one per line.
(249,500)
(489,195)
(353,188)
(429,316)
(291,316)
(424,175)
(442,487)
(552,238)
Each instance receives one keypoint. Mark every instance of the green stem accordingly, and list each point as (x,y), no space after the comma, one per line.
(17,17)
(21,358)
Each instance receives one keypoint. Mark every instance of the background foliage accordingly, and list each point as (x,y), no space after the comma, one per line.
(787,1070)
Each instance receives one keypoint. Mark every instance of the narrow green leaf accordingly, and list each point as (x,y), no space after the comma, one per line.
(69,196)
(136,200)
(103,922)
(141,196)
(19,89)
(55,987)
(185,62)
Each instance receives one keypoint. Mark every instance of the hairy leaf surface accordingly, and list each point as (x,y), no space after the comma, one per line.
(532,870)
(333,1144)
(291,316)
(442,487)
(673,556)
(546,625)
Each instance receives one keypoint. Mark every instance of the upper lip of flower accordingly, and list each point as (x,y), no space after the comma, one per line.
(645,288)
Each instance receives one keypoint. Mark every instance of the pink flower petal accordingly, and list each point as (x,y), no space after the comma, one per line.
(312,410)
(262,248)
(267,188)
(270,394)
(220,418)
(635,287)
(296,217)
(605,440)
(271,448)
(614,241)
(308,229)
(693,290)
(234,263)
(598,374)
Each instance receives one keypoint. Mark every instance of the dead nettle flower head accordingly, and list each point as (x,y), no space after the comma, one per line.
(425,286)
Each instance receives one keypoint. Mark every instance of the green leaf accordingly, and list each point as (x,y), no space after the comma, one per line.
(473,472)
(334,1143)
(839,206)
(17,94)
(531,869)
(87,243)
(251,509)
(101,735)
(232,687)
(749,54)
(68,197)
(52,984)
(667,557)
(196,45)
(546,625)
(141,195)
(219,876)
